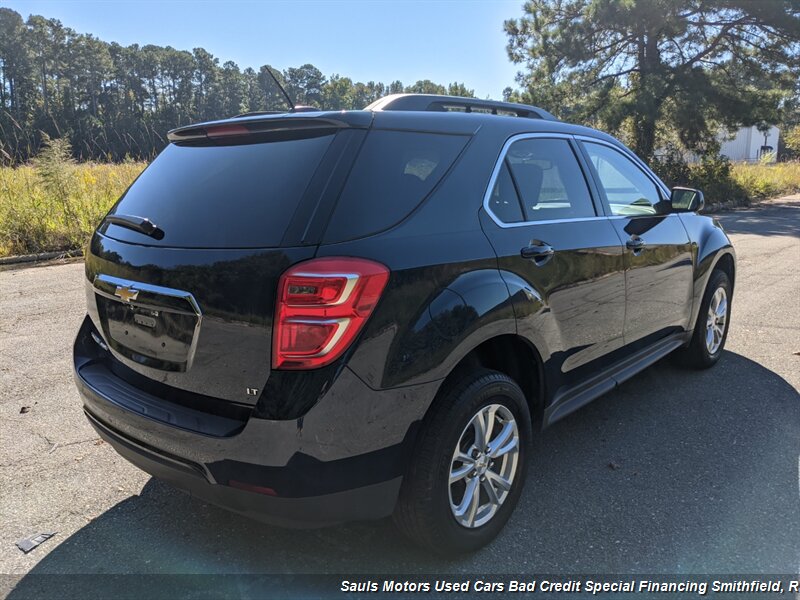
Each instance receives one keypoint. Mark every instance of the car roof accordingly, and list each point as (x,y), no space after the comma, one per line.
(420,112)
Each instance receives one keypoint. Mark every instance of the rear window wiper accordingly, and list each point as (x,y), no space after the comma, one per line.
(140,224)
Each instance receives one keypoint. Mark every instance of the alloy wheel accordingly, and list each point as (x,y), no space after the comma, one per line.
(483,466)
(715,324)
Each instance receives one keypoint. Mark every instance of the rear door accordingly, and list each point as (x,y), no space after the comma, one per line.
(658,253)
(549,231)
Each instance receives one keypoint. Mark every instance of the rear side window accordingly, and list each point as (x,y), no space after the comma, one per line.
(230,196)
(549,179)
(394,172)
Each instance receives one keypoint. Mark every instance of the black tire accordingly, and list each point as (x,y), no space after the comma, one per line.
(423,510)
(696,354)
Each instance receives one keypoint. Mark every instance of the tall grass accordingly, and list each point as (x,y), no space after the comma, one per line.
(767,180)
(54,203)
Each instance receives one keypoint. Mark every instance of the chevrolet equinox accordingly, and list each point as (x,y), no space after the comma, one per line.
(316,317)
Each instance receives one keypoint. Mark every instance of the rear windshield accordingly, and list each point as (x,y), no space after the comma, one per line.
(394,172)
(232,196)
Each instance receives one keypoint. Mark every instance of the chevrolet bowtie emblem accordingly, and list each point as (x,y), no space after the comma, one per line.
(125,293)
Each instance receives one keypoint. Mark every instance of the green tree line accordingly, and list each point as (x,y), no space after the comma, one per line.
(112,101)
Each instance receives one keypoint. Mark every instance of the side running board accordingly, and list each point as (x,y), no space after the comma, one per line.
(573,398)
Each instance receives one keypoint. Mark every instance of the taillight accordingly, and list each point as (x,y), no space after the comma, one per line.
(322,305)
(221,131)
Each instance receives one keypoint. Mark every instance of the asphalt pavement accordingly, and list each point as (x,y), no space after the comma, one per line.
(675,472)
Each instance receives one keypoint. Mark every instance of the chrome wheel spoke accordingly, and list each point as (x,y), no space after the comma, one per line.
(498,443)
(479,425)
(457,474)
(489,420)
(490,491)
(505,449)
(501,482)
(468,508)
(722,310)
(474,503)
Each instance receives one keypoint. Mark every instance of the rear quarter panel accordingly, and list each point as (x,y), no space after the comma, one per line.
(445,295)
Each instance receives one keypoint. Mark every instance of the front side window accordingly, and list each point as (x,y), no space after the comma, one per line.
(629,191)
(548,180)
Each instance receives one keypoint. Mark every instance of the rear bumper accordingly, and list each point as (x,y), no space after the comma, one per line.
(341,461)
(369,502)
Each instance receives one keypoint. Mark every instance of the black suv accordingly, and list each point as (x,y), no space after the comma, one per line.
(315,317)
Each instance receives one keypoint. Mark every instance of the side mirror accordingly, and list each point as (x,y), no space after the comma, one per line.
(687,200)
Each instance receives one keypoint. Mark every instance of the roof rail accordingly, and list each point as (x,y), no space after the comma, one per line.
(437,103)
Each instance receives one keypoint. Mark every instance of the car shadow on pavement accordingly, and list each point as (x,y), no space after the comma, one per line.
(674,472)
(765,220)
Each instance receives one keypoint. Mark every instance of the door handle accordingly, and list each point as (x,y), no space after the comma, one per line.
(635,243)
(538,251)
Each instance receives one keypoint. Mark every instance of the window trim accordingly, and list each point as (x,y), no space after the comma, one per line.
(504,164)
(597,203)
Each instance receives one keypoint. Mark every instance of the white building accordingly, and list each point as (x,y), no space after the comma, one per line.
(750,144)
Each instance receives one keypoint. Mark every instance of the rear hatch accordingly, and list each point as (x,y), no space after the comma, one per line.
(182,274)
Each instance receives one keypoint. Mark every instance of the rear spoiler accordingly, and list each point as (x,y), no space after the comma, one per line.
(271,123)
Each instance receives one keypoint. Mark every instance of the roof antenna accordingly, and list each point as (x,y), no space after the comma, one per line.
(280,87)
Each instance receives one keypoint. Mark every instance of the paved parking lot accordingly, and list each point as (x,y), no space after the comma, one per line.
(676,471)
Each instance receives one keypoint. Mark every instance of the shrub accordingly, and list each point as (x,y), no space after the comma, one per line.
(671,167)
(713,175)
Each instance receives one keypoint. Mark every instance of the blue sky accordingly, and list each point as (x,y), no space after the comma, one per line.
(441,40)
